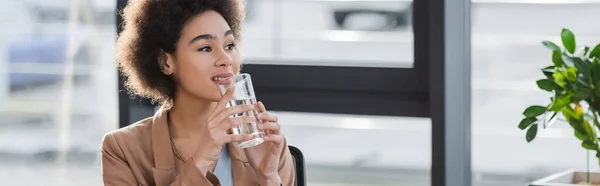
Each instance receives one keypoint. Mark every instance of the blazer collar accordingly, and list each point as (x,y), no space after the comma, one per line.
(161,143)
(164,162)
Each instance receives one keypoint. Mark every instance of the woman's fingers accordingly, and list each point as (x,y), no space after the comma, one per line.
(261,107)
(278,139)
(266,116)
(272,127)
(237,121)
(221,120)
(223,102)
(225,113)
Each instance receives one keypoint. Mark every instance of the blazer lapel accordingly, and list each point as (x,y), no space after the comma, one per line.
(164,164)
(163,177)
(243,174)
(237,153)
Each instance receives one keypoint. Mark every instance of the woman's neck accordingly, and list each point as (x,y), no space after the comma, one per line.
(189,115)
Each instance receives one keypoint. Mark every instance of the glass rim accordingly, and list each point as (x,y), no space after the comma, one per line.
(242,75)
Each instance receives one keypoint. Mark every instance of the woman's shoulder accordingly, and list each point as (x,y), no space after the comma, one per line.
(138,133)
(128,147)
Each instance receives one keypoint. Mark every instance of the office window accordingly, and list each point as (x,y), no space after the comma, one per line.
(329,33)
(507,56)
(325,56)
(57,98)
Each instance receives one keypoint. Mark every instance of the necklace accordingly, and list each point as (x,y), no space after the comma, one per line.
(173,147)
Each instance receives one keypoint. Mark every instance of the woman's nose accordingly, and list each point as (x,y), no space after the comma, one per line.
(224,60)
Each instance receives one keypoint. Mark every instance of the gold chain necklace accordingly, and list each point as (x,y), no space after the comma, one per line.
(173,147)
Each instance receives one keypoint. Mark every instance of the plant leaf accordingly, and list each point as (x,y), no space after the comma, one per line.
(548,85)
(568,39)
(560,102)
(534,111)
(572,74)
(575,122)
(568,61)
(597,90)
(573,114)
(588,127)
(526,123)
(595,70)
(559,79)
(550,45)
(557,58)
(531,133)
(589,144)
(595,52)
(582,94)
(586,49)
(583,67)
(580,135)
(578,126)
(548,71)
(582,82)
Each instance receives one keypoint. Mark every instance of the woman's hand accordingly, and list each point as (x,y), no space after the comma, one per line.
(219,124)
(264,158)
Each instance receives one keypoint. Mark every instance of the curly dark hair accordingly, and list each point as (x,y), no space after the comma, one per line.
(152,27)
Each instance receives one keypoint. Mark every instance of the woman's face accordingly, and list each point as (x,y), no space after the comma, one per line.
(206,53)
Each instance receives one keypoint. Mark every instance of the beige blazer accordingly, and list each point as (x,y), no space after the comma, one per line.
(140,154)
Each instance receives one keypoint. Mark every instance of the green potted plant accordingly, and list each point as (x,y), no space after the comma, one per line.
(573,81)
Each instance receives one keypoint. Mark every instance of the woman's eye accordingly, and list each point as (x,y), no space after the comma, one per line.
(205,49)
(230,46)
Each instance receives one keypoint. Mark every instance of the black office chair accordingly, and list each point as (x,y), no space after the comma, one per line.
(300,179)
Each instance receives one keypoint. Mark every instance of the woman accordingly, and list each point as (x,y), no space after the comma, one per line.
(173,51)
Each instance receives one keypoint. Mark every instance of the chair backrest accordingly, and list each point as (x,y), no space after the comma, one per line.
(300,179)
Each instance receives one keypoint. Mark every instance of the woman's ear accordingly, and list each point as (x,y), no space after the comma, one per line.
(167,64)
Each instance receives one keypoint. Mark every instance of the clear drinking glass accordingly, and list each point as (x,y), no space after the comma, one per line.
(244,94)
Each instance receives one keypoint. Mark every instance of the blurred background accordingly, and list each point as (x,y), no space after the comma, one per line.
(59,88)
